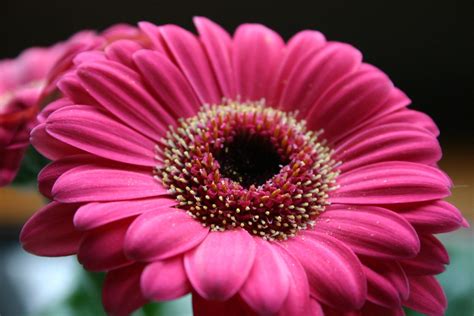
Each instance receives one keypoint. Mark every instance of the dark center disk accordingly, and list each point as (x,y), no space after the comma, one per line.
(249,159)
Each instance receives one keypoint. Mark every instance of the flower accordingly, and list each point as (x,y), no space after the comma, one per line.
(21,81)
(261,176)
(28,81)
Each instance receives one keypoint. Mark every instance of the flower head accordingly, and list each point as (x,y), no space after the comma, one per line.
(261,176)
(29,81)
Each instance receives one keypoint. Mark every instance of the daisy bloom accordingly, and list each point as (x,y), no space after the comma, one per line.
(28,82)
(264,177)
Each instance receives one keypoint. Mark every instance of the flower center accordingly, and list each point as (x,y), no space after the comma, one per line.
(250,166)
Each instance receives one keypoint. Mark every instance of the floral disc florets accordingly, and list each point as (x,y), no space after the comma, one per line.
(250,166)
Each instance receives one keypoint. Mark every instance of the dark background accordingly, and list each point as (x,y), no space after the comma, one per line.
(426,47)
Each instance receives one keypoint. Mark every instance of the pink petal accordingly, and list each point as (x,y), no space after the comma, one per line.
(399,141)
(217,44)
(51,107)
(426,296)
(168,83)
(233,307)
(434,217)
(350,102)
(297,302)
(10,164)
(162,234)
(256,54)
(102,248)
(387,283)
(121,293)
(220,265)
(93,183)
(316,73)
(369,230)
(83,127)
(71,87)
(315,308)
(335,274)
(152,32)
(409,117)
(300,46)
(93,215)
(122,51)
(186,50)
(50,232)
(431,259)
(49,174)
(268,283)
(391,183)
(49,146)
(165,280)
(119,90)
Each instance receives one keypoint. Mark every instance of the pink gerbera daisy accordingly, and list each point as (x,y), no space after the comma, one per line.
(28,82)
(263,177)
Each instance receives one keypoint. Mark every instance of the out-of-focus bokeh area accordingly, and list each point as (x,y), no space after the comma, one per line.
(424,46)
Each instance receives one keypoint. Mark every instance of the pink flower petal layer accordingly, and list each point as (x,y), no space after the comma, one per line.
(165,280)
(233,307)
(93,215)
(83,128)
(434,217)
(121,293)
(431,259)
(269,271)
(102,248)
(50,232)
(426,296)
(391,183)
(220,265)
(370,230)
(162,234)
(91,183)
(335,274)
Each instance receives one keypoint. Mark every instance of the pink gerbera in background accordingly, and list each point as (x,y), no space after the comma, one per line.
(28,82)
(263,177)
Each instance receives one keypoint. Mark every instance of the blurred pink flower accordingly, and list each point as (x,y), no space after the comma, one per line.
(196,166)
(29,80)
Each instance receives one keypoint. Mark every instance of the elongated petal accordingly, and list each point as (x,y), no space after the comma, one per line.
(122,51)
(370,230)
(431,259)
(256,53)
(121,293)
(388,142)
(409,117)
(426,296)
(217,43)
(387,283)
(391,183)
(315,74)
(191,58)
(220,265)
(168,83)
(350,102)
(301,45)
(165,280)
(335,274)
(50,232)
(93,215)
(92,183)
(434,217)
(119,90)
(83,128)
(102,248)
(297,301)
(374,309)
(158,235)
(49,146)
(268,283)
